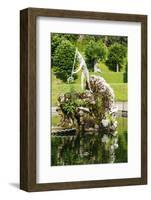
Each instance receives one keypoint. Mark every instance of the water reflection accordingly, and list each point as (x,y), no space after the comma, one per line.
(84,149)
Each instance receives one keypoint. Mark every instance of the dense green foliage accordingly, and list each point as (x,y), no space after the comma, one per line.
(55,41)
(94,52)
(63,59)
(57,38)
(111,50)
(117,55)
(71,37)
(110,40)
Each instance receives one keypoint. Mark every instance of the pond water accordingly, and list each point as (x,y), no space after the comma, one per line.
(87,148)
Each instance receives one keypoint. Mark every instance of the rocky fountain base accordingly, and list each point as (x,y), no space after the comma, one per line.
(91,112)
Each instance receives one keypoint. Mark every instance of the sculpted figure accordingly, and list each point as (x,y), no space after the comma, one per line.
(83,68)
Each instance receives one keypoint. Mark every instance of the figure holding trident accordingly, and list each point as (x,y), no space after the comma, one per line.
(83,68)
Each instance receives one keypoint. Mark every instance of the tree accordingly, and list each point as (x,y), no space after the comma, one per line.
(110,40)
(71,37)
(117,55)
(95,51)
(56,39)
(63,59)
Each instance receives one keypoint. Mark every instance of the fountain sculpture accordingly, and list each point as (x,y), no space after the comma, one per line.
(91,111)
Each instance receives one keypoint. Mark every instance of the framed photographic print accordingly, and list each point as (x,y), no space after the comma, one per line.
(83,92)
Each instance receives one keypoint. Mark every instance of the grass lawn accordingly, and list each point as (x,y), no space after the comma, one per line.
(115,79)
(121,91)
(60,87)
(54,120)
(121,152)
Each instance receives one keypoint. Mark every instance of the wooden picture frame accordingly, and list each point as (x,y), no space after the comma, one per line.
(28,98)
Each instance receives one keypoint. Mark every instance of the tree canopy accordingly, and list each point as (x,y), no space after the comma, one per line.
(63,59)
(117,55)
(94,52)
(110,50)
